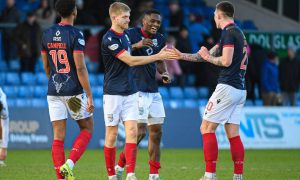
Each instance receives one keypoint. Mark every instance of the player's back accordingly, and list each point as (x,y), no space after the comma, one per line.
(234,75)
(60,42)
(144,76)
(118,77)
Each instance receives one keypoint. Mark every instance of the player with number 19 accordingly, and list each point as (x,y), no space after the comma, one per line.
(63,60)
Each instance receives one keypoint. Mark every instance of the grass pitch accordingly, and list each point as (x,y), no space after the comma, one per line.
(177,164)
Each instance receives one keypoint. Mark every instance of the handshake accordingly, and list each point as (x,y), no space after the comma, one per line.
(169,52)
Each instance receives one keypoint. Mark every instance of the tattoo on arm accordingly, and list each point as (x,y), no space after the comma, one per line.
(215,60)
(213,51)
(192,57)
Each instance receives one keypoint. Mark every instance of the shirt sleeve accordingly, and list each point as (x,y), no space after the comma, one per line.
(113,46)
(229,39)
(79,42)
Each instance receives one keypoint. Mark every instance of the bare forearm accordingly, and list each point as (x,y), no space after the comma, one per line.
(161,67)
(216,60)
(192,57)
(142,60)
(213,51)
(84,80)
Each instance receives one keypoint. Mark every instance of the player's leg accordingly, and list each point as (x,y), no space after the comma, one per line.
(236,149)
(142,129)
(4,136)
(210,147)
(4,129)
(232,132)
(58,153)
(130,116)
(77,108)
(155,122)
(112,106)
(218,110)
(143,106)
(58,116)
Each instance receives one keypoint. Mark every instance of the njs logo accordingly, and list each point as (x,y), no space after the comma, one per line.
(262,126)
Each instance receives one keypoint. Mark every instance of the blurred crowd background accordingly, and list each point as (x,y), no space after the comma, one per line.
(272,77)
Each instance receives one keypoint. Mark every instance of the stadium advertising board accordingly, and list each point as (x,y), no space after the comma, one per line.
(30,128)
(264,128)
(277,41)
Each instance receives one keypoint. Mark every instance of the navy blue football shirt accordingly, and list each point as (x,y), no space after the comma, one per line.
(60,42)
(118,76)
(144,76)
(234,75)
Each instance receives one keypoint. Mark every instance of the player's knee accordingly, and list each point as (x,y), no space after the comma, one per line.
(155,134)
(131,133)
(111,137)
(206,129)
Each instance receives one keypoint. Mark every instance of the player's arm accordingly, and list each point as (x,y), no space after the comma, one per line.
(196,56)
(46,63)
(142,43)
(142,60)
(225,60)
(83,78)
(163,71)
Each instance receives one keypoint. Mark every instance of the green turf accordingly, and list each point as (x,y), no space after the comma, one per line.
(179,164)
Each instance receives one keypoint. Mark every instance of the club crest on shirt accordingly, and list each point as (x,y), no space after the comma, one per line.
(57,33)
(81,41)
(113,47)
(154,41)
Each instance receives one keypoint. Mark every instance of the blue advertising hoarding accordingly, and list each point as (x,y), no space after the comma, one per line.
(30,128)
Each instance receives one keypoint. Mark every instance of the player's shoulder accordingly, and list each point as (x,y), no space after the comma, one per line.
(109,37)
(134,31)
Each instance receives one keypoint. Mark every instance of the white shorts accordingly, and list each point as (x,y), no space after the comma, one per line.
(225,105)
(119,108)
(151,108)
(4,118)
(59,106)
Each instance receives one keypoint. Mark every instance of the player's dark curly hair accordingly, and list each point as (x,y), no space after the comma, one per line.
(226,7)
(152,11)
(65,7)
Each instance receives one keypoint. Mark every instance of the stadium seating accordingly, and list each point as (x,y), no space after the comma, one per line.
(203,92)
(40,91)
(100,79)
(2,78)
(12,78)
(190,92)
(176,92)
(97,91)
(39,102)
(28,78)
(23,102)
(93,79)
(164,93)
(176,103)
(11,91)
(190,103)
(98,102)
(41,78)
(26,91)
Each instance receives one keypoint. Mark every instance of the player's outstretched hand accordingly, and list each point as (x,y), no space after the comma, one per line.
(167,53)
(144,42)
(90,106)
(204,53)
(167,79)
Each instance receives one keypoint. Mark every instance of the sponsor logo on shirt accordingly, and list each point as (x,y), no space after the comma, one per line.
(113,47)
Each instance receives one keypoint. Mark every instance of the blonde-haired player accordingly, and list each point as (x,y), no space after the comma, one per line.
(120,93)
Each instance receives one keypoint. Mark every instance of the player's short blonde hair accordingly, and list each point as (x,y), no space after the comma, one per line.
(117,7)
